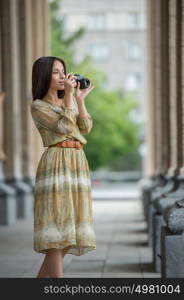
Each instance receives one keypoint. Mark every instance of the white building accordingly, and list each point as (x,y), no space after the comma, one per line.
(114,38)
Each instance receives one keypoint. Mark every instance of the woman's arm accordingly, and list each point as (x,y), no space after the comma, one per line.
(61,122)
(84,119)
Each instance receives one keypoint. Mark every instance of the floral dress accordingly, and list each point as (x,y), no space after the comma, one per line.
(63,212)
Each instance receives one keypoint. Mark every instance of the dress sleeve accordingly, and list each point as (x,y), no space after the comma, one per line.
(61,122)
(85,124)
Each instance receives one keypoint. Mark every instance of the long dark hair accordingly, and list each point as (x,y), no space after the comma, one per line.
(42,74)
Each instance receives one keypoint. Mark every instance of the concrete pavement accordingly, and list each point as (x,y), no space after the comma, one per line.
(122,249)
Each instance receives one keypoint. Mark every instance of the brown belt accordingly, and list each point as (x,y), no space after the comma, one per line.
(68,144)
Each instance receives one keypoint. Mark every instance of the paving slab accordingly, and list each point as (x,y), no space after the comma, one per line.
(122,249)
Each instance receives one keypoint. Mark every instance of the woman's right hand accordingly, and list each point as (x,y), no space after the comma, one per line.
(69,83)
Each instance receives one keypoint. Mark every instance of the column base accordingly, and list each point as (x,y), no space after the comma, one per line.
(170,185)
(24,197)
(172,249)
(7,204)
(162,205)
(158,223)
(30,181)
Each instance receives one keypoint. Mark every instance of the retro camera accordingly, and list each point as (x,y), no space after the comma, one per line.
(84,82)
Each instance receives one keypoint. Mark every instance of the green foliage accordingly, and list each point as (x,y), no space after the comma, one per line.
(114,138)
(114,135)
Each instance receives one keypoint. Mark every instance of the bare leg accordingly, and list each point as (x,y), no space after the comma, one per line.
(52,265)
(44,270)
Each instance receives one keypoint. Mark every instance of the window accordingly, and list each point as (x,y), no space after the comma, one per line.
(133,20)
(134,50)
(96,22)
(74,22)
(115,21)
(99,51)
(132,81)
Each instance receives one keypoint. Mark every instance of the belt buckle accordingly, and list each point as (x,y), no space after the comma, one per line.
(64,144)
(77,144)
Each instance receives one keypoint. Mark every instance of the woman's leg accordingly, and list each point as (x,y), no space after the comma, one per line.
(52,266)
(44,270)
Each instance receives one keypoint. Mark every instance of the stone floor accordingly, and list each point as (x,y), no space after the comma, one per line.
(121,238)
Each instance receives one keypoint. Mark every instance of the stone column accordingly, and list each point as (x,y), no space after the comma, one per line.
(150,108)
(3,156)
(169,199)
(11,85)
(182,88)
(40,47)
(12,110)
(172,234)
(33,27)
(175,101)
(159,69)
(26,42)
(158,124)
(161,86)
(7,194)
(2,97)
(24,38)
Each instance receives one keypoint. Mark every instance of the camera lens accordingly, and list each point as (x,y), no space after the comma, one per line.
(84,82)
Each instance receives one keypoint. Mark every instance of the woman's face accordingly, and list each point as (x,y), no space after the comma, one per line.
(58,76)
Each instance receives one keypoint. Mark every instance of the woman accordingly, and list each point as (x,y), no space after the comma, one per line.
(63,217)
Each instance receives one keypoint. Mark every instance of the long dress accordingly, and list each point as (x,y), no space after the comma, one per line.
(63,212)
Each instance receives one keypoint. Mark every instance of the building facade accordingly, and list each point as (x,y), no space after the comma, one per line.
(114,39)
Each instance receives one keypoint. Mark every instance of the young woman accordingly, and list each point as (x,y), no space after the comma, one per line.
(63,216)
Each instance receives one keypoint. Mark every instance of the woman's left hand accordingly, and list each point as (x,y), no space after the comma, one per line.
(82,93)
